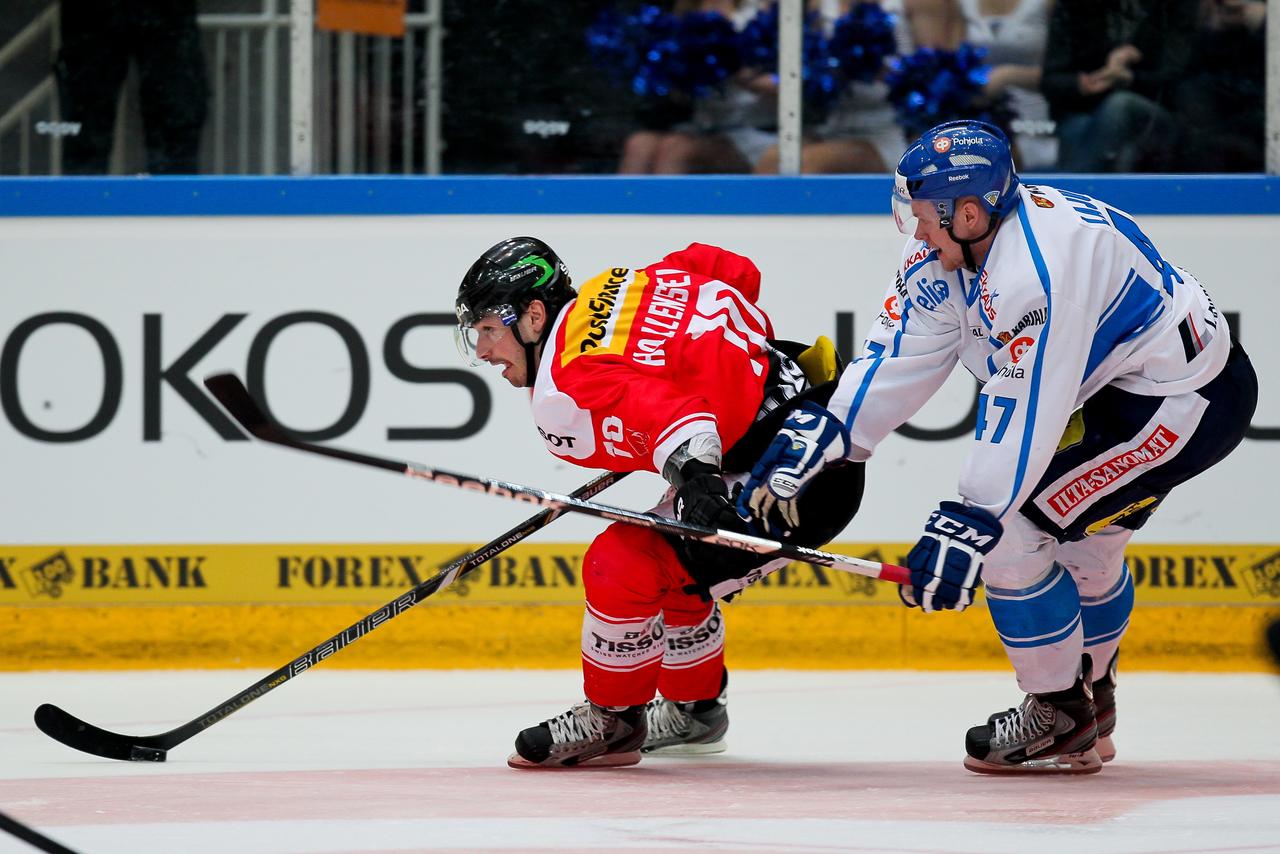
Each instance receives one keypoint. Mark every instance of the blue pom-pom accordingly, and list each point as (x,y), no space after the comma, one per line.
(656,53)
(820,71)
(861,40)
(617,43)
(758,41)
(706,53)
(930,86)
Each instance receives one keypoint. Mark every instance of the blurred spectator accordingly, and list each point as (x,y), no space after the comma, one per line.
(860,133)
(521,95)
(1220,102)
(1109,76)
(99,38)
(1014,33)
(728,129)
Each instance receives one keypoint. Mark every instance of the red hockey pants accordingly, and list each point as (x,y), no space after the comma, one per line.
(641,632)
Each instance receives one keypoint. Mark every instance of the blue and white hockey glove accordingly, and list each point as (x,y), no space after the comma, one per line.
(946,563)
(809,439)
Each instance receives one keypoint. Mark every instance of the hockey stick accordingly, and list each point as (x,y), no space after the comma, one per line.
(232,394)
(31,837)
(73,732)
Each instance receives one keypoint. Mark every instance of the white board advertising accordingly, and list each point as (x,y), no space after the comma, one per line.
(109,324)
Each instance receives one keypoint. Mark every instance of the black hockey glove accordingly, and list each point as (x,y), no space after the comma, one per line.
(703,499)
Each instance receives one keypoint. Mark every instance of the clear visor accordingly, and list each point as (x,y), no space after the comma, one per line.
(907,220)
(902,213)
(467,336)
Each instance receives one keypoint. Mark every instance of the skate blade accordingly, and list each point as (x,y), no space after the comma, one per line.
(607,760)
(1087,762)
(700,749)
(1106,748)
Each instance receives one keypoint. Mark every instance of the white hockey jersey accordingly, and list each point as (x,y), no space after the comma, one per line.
(1072,297)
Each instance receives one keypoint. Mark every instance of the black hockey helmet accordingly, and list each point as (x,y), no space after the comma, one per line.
(503,281)
(510,275)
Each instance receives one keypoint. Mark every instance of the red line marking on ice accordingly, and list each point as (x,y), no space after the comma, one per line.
(709,790)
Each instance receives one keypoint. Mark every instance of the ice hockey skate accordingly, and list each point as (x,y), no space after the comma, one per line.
(1104,704)
(1053,733)
(687,729)
(586,735)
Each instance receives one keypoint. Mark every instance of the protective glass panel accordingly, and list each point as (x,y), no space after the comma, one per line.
(604,86)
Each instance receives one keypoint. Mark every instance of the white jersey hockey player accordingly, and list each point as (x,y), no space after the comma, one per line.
(1108,377)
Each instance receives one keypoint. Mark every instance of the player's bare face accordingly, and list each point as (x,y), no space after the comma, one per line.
(497,345)
(932,233)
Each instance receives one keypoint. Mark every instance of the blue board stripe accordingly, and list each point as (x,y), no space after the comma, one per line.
(729,195)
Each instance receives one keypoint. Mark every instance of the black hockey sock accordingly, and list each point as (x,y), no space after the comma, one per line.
(710,703)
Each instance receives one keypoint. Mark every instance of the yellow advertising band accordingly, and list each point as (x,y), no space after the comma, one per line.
(1200,607)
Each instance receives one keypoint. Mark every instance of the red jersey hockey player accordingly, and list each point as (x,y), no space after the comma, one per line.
(673,369)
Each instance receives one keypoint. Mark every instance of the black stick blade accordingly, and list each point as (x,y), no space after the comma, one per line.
(231,393)
(75,733)
(32,837)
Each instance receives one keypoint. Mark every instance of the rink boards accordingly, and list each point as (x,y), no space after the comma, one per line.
(138,528)
(1200,608)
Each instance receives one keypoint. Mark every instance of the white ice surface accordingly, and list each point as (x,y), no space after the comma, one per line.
(347,761)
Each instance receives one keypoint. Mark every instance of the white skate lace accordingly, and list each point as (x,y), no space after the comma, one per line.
(1024,724)
(666,719)
(583,722)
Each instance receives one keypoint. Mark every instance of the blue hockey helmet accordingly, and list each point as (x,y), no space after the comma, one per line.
(953,161)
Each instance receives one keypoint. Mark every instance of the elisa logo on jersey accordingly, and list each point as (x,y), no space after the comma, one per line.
(930,295)
(942,144)
(1020,346)
(1149,452)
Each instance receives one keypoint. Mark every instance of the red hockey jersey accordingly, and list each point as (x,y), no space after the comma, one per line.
(644,360)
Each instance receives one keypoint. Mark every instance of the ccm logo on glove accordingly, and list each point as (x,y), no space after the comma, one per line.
(960,531)
(946,563)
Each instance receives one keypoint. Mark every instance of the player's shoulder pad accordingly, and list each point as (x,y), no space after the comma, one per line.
(714,262)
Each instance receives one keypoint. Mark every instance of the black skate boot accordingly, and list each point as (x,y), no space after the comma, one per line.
(1053,733)
(586,735)
(1104,703)
(688,729)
